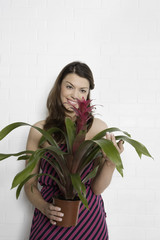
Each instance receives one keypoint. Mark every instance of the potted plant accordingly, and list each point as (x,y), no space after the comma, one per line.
(80,152)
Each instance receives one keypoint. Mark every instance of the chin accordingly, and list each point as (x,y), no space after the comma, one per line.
(69,108)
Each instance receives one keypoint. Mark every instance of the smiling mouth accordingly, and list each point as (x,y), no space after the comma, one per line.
(72,102)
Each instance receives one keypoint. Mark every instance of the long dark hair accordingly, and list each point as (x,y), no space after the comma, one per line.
(55,107)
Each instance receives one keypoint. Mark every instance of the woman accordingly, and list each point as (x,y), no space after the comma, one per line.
(74,82)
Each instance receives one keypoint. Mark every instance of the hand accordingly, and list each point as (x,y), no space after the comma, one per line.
(53,213)
(119,145)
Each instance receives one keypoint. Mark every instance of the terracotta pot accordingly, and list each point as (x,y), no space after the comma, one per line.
(70,210)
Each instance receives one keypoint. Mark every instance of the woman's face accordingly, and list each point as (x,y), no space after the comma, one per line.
(73,87)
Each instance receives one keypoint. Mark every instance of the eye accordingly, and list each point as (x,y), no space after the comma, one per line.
(83,91)
(69,87)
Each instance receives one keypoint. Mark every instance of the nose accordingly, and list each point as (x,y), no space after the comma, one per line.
(75,94)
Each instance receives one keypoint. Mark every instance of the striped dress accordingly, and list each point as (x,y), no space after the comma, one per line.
(91,223)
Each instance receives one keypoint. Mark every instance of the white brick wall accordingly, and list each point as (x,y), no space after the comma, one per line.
(120,41)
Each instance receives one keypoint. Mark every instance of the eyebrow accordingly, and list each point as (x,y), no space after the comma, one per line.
(73,85)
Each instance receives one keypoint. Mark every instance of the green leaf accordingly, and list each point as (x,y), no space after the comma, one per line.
(80,188)
(55,164)
(19,188)
(80,153)
(35,157)
(4,155)
(23,157)
(71,132)
(139,147)
(91,175)
(103,133)
(138,152)
(59,158)
(51,131)
(5,131)
(58,162)
(79,139)
(88,157)
(111,152)
(120,170)
(55,150)
(48,137)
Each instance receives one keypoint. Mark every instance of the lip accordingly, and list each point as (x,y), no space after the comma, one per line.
(72,102)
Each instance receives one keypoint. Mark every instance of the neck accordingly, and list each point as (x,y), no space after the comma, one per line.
(71,115)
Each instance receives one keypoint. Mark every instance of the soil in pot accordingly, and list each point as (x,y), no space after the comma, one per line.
(70,210)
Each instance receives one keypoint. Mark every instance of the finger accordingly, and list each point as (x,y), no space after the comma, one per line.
(121,142)
(57,214)
(108,136)
(117,145)
(54,218)
(53,222)
(120,145)
(113,139)
(54,208)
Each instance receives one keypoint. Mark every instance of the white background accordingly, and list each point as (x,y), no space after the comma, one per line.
(120,41)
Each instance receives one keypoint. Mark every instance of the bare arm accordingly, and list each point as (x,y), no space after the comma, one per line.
(106,170)
(35,197)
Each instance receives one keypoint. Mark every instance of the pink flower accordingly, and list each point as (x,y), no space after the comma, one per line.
(83,113)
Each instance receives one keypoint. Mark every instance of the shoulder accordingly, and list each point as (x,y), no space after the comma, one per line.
(98,125)
(40,124)
(34,134)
